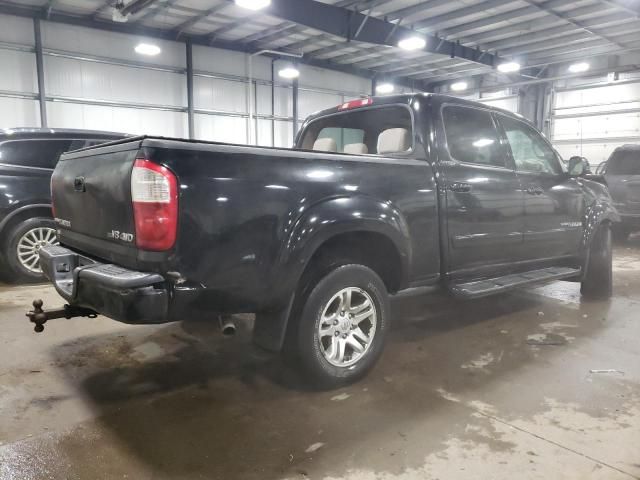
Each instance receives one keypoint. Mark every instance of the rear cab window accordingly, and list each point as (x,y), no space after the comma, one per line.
(33,153)
(384,130)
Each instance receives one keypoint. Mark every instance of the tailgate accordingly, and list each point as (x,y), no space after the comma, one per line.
(92,201)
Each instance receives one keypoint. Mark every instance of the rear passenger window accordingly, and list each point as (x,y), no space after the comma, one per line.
(33,153)
(381,130)
(472,136)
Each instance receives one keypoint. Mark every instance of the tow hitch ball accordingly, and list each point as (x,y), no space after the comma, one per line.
(40,316)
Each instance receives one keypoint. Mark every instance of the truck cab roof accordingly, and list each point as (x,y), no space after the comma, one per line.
(406,99)
(39,133)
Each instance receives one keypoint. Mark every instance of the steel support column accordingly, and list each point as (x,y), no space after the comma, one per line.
(42,98)
(190,107)
(295,108)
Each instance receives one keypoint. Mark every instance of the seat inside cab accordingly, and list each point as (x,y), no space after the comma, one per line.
(382,130)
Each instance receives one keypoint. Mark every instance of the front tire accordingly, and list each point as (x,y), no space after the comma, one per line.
(598,280)
(342,325)
(22,246)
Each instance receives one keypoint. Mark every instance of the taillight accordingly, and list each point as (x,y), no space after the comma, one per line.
(154,192)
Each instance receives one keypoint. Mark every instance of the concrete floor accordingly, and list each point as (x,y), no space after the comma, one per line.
(534,384)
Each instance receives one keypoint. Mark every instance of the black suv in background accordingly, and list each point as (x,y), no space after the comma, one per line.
(622,175)
(27,159)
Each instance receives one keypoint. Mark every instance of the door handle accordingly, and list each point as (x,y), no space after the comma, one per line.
(534,190)
(79,185)
(460,187)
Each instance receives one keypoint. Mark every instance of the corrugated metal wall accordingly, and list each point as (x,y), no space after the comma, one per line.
(94,79)
(592,117)
(18,80)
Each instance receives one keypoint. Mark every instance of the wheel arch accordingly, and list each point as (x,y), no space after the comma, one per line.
(22,214)
(369,227)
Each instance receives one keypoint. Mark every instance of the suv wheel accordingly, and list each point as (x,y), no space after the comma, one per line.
(598,281)
(343,322)
(23,246)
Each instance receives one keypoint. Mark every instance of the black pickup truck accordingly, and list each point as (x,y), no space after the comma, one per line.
(378,195)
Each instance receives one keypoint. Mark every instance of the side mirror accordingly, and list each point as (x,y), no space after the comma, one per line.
(578,166)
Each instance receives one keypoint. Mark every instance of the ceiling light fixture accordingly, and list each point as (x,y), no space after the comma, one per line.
(412,43)
(579,67)
(385,88)
(147,49)
(459,86)
(509,67)
(289,72)
(253,4)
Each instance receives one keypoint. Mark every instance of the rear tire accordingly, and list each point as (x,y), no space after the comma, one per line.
(598,281)
(22,246)
(343,319)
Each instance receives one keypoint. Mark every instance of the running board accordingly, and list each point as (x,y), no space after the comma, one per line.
(489,286)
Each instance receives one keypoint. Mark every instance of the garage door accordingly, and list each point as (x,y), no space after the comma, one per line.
(592,120)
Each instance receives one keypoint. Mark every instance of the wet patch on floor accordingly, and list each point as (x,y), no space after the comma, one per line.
(460,392)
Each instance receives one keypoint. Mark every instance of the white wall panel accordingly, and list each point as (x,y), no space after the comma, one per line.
(311,102)
(284,102)
(597,120)
(263,105)
(327,79)
(507,103)
(284,134)
(18,112)
(219,94)
(605,94)
(16,30)
(117,119)
(265,133)
(18,71)
(219,128)
(225,62)
(108,44)
(77,78)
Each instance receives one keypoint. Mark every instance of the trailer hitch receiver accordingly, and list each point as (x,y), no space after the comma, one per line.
(40,316)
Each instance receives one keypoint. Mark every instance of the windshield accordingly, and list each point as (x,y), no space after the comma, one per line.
(624,162)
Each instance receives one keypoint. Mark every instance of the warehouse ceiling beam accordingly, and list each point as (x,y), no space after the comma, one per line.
(508,16)
(575,23)
(152,13)
(150,32)
(102,8)
(136,6)
(632,7)
(342,22)
(198,18)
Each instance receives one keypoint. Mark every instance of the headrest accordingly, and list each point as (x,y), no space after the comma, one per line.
(394,140)
(356,148)
(325,145)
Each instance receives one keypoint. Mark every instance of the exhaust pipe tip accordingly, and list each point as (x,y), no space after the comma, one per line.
(227,326)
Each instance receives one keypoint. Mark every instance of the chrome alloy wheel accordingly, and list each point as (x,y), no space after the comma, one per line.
(30,244)
(347,326)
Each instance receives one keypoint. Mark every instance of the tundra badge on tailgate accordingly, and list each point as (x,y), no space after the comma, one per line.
(118,235)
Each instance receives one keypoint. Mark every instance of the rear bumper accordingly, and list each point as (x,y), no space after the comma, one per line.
(124,295)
